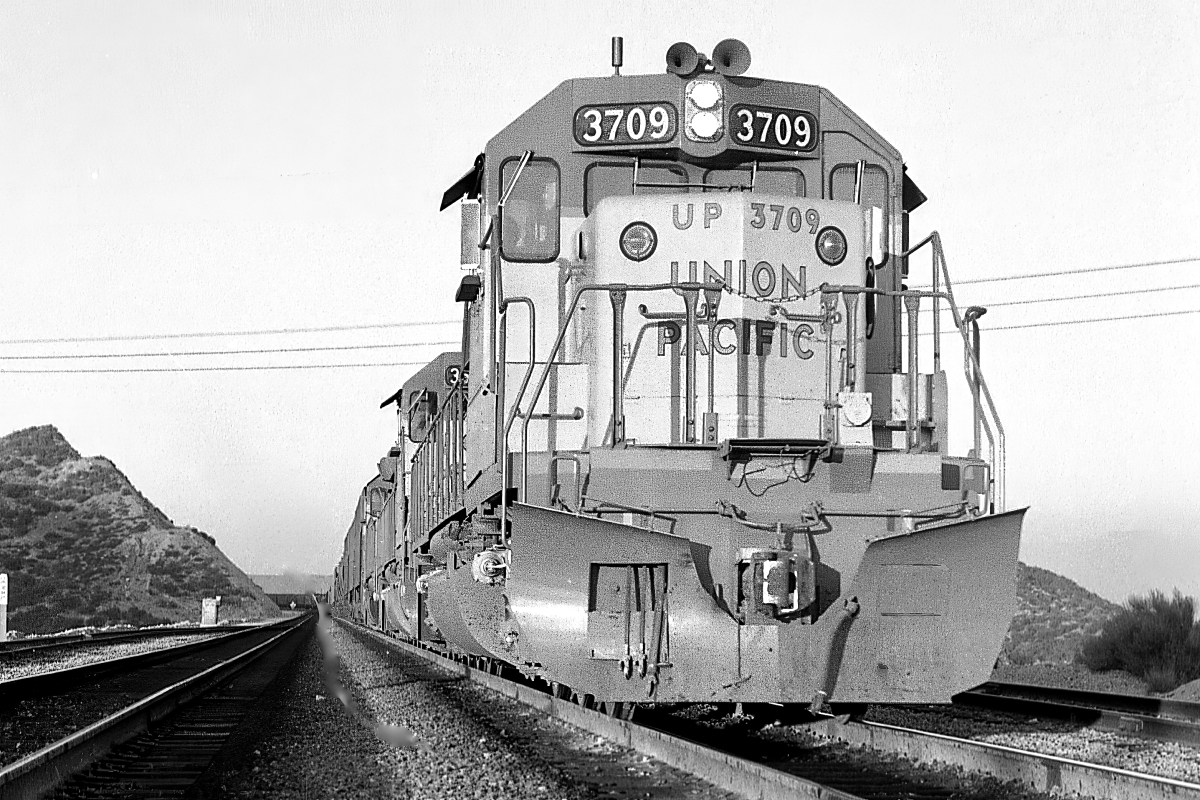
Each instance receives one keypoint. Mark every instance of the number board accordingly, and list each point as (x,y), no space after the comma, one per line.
(626,123)
(776,128)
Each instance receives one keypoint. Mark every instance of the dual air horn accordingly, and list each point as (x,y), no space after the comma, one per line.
(730,57)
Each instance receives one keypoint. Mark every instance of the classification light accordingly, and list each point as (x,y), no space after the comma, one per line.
(638,241)
(831,246)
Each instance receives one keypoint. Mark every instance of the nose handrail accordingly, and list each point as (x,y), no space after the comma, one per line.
(617,292)
(440,484)
(975,379)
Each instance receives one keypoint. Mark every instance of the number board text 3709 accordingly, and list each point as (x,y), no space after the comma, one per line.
(625,123)
(776,128)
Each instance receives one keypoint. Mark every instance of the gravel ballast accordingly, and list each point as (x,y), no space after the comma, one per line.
(1049,737)
(20,666)
(472,743)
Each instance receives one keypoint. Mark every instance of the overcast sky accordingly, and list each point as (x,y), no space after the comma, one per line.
(215,167)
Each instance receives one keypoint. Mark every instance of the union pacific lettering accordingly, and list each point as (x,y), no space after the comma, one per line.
(764,279)
(745,336)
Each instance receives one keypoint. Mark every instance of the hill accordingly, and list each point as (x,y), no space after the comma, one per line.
(1054,616)
(82,546)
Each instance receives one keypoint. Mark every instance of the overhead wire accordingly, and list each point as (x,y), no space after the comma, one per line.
(1056,323)
(1080,271)
(251,368)
(1118,293)
(206,334)
(246,351)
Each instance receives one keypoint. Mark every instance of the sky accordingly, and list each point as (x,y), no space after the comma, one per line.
(218,167)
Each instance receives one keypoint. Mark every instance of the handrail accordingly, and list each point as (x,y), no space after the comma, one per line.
(500,400)
(562,332)
(436,417)
(997,443)
(430,479)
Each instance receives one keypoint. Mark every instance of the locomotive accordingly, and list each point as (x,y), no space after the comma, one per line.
(686,452)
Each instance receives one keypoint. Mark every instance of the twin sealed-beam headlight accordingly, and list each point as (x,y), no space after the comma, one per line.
(638,241)
(831,246)
(704,110)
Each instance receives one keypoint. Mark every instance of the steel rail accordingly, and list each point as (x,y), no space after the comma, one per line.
(31,777)
(15,647)
(1038,771)
(53,681)
(1151,717)
(731,773)
(1138,704)
(551,362)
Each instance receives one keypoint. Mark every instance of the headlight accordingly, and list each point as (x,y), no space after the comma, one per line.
(831,246)
(638,241)
(704,125)
(704,94)
(704,110)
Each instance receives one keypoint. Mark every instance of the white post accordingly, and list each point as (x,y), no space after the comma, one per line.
(3,607)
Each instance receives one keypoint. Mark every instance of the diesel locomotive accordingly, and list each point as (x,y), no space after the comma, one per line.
(687,451)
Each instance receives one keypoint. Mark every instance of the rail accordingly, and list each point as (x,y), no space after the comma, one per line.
(849,296)
(974,374)
(618,292)
(38,773)
(437,465)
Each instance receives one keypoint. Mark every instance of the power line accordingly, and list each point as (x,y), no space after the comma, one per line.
(205,334)
(1080,296)
(205,369)
(1057,323)
(1075,271)
(1096,319)
(231,352)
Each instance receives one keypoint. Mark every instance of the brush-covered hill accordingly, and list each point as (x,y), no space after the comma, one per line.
(82,546)
(1054,616)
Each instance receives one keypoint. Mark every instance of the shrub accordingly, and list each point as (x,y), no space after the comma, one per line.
(1154,637)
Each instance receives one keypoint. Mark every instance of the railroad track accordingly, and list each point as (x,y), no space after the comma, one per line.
(1157,718)
(117,731)
(1037,771)
(758,768)
(20,647)
(727,758)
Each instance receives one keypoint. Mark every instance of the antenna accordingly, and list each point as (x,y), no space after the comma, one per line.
(618,54)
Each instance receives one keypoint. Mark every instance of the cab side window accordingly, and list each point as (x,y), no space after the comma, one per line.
(531,216)
(874,184)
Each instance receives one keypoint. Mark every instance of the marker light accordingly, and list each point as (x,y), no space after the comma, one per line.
(638,241)
(704,110)
(831,246)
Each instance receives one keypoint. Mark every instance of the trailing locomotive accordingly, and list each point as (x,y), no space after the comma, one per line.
(687,452)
